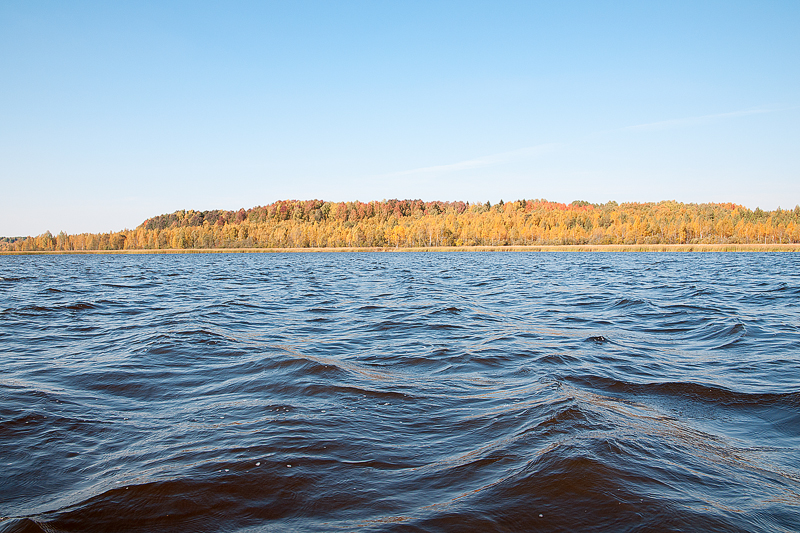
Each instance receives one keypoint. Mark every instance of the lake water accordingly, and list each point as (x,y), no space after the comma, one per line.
(400,392)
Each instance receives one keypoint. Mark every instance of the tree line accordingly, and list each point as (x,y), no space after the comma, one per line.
(414,223)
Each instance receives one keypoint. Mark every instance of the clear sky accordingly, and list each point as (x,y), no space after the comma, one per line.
(111,112)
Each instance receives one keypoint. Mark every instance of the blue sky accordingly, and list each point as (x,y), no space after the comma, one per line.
(112,112)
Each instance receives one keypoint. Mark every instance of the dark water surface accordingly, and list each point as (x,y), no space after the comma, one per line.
(400,392)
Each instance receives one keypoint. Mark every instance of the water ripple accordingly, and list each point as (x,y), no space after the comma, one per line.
(400,392)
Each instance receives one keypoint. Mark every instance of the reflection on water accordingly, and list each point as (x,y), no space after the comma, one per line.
(400,392)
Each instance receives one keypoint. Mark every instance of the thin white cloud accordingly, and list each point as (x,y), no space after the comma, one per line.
(689,121)
(532,151)
(485,161)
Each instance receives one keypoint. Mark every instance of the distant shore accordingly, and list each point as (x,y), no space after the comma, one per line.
(531,248)
(417,226)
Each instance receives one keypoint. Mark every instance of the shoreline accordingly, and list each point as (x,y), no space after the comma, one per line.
(391,249)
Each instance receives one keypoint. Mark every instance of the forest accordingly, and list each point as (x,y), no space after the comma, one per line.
(414,223)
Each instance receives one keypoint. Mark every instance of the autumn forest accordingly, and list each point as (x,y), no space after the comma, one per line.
(414,223)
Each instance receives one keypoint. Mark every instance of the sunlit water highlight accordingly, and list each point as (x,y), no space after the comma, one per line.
(400,392)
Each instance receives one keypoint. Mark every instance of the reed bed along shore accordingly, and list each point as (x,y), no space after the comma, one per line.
(530,248)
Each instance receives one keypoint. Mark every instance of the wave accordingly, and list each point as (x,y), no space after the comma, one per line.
(400,392)
(691,391)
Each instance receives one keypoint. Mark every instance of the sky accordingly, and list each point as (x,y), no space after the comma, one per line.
(113,112)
